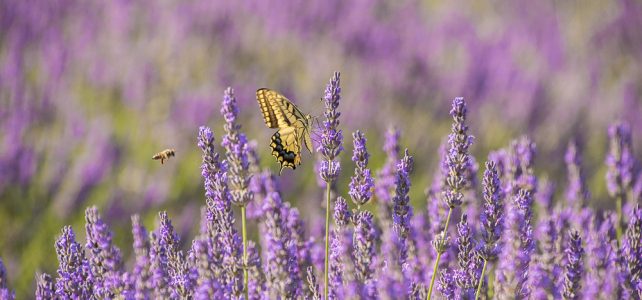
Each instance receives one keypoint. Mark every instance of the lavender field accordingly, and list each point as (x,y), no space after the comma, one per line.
(462,150)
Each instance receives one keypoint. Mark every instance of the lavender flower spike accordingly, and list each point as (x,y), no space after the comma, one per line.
(364,253)
(574,267)
(73,278)
(331,136)
(466,275)
(632,254)
(402,212)
(362,182)
(236,146)
(44,287)
(576,191)
(620,163)
(492,217)
(458,160)
(5,293)
(105,259)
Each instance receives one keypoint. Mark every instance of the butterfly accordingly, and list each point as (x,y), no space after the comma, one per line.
(294,127)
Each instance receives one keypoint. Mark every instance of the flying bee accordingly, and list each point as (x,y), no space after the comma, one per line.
(164,155)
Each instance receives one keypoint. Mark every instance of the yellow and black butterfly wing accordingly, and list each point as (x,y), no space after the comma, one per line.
(285,147)
(278,111)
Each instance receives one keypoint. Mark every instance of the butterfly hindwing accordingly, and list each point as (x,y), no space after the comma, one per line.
(285,147)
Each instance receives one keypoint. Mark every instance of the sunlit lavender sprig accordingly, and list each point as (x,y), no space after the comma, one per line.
(73,269)
(402,212)
(632,254)
(235,144)
(361,183)
(282,263)
(364,253)
(330,147)
(458,162)
(338,250)
(331,136)
(141,274)
(446,286)
(574,267)
(44,286)
(467,273)
(104,258)
(5,293)
(236,149)
(492,217)
(620,163)
(576,192)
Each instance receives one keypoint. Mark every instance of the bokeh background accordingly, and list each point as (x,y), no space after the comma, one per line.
(89,90)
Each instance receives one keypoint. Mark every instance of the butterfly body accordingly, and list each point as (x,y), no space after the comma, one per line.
(294,127)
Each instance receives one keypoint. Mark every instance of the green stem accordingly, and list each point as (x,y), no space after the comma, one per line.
(434,269)
(327,240)
(481,279)
(245,266)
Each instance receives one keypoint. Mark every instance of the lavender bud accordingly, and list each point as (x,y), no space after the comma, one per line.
(236,146)
(576,192)
(44,287)
(362,183)
(492,217)
(331,137)
(312,284)
(458,160)
(574,267)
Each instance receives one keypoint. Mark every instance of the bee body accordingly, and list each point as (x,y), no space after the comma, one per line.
(164,155)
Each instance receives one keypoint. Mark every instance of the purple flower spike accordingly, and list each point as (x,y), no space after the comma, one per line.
(73,269)
(576,192)
(492,217)
(574,267)
(312,284)
(458,160)
(236,146)
(364,253)
(141,274)
(467,274)
(632,253)
(5,293)
(402,212)
(446,284)
(620,160)
(362,183)
(282,274)
(104,258)
(44,287)
(331,136)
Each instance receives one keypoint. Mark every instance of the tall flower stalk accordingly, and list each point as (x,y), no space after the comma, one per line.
(458,162)
(237,148)
(492,219)
(620,163)
(330,147)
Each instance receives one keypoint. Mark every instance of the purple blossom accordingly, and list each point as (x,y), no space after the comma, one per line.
(256,284)
(384,186)
(361,183)
(574,267)
(364,254)
(632,254)
(446,285)
(576,191)
(402,212)
(73,267)
(282,273)
(338,250)
(468,272)
(457,160)
(104,258)
(312,284)
(620,160)
(331,135)
(600,259)
(546,269)
(141,273)
(236,146)
(492,217)
(5,293)
(44,287)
